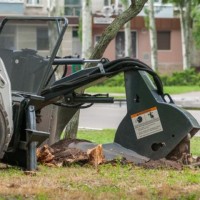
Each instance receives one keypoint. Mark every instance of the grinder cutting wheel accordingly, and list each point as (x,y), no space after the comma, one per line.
(153,128)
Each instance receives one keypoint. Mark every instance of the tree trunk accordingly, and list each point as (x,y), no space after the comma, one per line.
(72,127)
(64,122)
(111,31)
(153,36)
(183,39)
(188,28)
(127,31)
(128,39)
(86,28)
(185,33)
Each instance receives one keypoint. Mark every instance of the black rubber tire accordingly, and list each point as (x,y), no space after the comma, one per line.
(5,135)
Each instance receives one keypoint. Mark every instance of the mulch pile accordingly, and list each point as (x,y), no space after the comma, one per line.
(60,154)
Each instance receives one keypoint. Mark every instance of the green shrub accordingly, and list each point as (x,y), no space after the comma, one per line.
(184,78)
(117,80)
(188,77)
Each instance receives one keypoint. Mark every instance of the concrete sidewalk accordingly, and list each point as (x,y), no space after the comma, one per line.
(188,94)
(191,102)
(190,99)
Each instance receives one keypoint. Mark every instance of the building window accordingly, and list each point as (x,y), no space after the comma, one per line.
(42,38)
(120,44)
(72,7)
(106,2)
(33,2)
(164,40)
(109,2)
(74,33)
(158,1)
(7,37)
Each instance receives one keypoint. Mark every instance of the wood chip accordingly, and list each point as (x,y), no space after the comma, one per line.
(96,155)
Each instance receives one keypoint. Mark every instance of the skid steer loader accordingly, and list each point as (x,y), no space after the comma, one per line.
(153,128)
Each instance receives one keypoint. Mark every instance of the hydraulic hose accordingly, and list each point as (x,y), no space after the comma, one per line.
(110,69)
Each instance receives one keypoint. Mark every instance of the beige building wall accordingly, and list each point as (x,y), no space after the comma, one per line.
(169,60)
(143,47)
(36,10)
(67,42)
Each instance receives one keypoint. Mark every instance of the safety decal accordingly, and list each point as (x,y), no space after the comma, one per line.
(146,122)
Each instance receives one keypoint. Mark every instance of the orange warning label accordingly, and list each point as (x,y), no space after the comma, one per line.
(143,112)
(146,122)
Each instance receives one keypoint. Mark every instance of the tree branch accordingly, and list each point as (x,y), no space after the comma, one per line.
(111,31)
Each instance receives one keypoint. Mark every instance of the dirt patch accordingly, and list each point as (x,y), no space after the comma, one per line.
(60,154)
(162,163)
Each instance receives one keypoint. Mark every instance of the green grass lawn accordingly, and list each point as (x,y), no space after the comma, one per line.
(195,146)
(108,182)
(97,136)
(180,89)
(113,182)
(121,90)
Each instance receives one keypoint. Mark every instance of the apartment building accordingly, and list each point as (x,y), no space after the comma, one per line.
(103,12)
(168,33)
(22,35)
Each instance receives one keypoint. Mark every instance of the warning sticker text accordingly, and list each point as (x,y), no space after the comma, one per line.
(146,123)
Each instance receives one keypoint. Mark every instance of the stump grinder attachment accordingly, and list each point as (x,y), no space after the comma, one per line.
(153,128)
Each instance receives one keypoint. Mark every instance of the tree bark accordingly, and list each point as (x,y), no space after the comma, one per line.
(128,39)
(127,32)
(72,127)
(153,36)
(64,122)
(185,33)
(111,31)
(86,28)
(188,28)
